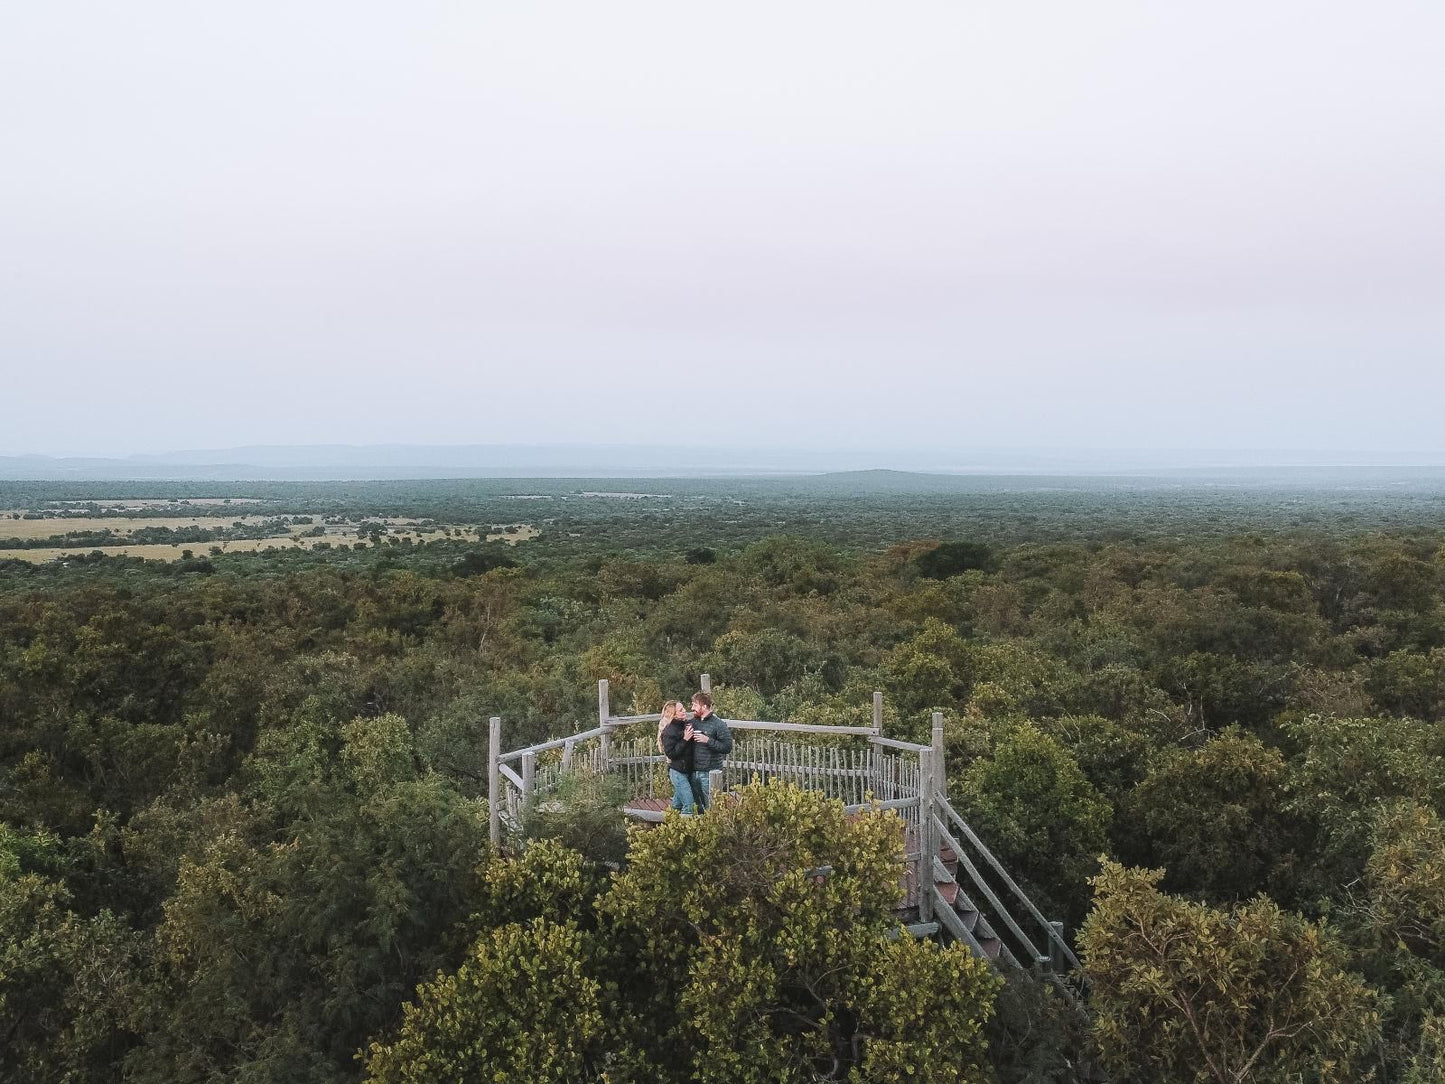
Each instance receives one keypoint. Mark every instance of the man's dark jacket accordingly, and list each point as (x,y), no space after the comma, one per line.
(710,754)
(678,749)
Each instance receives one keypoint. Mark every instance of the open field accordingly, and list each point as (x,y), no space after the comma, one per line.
(44,528)
(338,536)
(173,551)
(164,502)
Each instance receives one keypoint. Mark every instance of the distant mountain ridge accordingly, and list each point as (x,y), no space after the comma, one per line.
(874,467)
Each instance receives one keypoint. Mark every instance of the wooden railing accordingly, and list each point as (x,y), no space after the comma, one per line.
(857,765)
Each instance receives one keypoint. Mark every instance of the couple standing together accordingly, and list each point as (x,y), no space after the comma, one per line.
(694,745)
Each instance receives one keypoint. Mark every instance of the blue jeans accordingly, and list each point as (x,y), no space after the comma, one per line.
(702,790)
(681,791)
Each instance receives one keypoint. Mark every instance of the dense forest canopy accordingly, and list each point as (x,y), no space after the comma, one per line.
(242,818)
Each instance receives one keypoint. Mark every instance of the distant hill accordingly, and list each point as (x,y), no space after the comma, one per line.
(872,470)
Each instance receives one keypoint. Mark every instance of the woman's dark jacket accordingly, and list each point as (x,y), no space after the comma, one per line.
(678,750)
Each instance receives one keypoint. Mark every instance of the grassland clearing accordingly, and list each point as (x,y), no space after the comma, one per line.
(58,525)
(340,536)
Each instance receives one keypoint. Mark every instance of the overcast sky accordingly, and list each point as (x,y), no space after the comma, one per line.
(1010,223)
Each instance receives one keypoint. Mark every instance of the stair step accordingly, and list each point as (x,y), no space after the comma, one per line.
(991,946)
(949,891)
(970,918)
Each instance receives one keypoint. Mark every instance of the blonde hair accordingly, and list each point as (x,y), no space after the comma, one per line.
(670,711)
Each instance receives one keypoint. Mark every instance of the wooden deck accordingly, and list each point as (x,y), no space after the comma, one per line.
(952,884)
(650,810)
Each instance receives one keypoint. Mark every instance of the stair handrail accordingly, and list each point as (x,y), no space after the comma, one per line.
(1055,938)
(546,746)
(983,886)
(954,924)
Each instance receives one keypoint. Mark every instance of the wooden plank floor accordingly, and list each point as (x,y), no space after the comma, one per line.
(647,809)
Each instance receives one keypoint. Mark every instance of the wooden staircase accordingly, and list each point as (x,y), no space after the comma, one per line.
(968,894)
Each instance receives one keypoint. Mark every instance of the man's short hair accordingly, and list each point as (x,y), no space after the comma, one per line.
(703,699)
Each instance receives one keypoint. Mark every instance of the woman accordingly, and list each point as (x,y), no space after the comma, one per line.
(671,740)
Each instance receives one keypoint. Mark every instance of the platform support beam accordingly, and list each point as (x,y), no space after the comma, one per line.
(494,780)
(604,713)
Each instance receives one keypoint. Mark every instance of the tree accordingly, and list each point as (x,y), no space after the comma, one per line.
(1405,881)
(1427,1066)
(767,659)
(1396,917)
(1411,684)
(795,565)
(67,982)
(1344,770)
(546,880)
(293,935)
(953,558)
(745,968)
(1112,756)
(584,813)
(478,562)
(1045,821)
(931,669)
(1211,816)
(522,1007)
(1185,992)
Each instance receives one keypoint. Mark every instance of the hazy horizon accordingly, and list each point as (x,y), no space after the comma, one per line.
(582,460)
(836,226)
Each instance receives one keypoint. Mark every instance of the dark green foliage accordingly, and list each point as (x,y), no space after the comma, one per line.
(584,814)
(1230,853)
(302,924)
(1041,817)
(475,562)
(68,983)
(1035,1036)
(1344,771)
(952,558)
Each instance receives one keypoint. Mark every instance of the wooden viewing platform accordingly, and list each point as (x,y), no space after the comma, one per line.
(953,886)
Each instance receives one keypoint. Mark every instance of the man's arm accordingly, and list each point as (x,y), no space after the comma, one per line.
(722,738)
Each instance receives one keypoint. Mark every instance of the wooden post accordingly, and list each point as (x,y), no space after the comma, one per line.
(567,756)
(1056,954)
(926,847)
(875,771)
(940,788)
(714,784)
(604,712)
(494,781)
(706,682)
(529,775)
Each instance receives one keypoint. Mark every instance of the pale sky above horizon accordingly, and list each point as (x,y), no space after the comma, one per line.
(1107,225)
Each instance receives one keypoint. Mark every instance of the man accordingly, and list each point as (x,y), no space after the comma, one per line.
(714,741)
